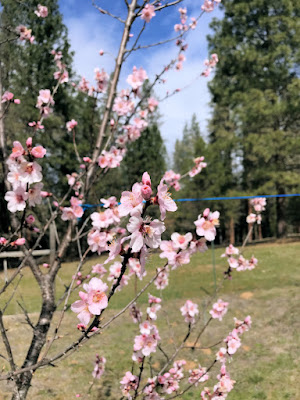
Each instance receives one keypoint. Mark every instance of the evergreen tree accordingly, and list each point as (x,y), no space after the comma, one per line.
(148,152)
(257,83)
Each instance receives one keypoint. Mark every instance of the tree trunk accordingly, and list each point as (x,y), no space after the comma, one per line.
(23,381)
(281,226)
(4,185)
(231,231)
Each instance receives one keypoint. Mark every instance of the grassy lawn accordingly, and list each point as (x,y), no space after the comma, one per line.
(265,367)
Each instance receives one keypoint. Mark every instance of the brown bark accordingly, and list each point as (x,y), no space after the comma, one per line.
(231,231)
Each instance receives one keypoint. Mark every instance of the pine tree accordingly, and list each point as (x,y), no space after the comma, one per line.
(257,82)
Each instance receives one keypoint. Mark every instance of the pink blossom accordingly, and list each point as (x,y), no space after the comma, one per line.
(99,367)
(17,150)
(18,242)
(168,249)
(71,124)
(131,202)
(34,194)
(30,219)
(30,172)
(136,268)
(38,152)
(208,5)
(181,241)
(189,311)
(98,240)
(44,97)
(102,219)
(165,201)
(152,104)
(251,218)
(101,77)
(148,12)
(198,375)
(25,33)
(92,302)
(137,78)
(16,199)
(198,245)
(206,224)
(7,96)
(230,250)
(111,158)
(221,355)
(110,202)
(123,107)
(181,258)
(3,241)
(152,310)
(219,309)
(147,341)
(259,204)
(233,342)
(162,280)
(42,11)
(144,231)
(129,383)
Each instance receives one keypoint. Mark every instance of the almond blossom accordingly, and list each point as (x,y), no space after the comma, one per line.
(181,241)
(137,78)
(102,219)
(7,97)
(131,202)
(16,199)
(145,232)
(129,384)
(34,194)
(71,125)
(219,309)
(92,302)
(206,224)
(189,311)
(198,375)
(148,12)
(164,200)
(42,11)
(25,33)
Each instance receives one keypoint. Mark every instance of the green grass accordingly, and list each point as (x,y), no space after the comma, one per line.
(265,367)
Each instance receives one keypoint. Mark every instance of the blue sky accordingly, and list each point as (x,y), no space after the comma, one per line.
(90,31)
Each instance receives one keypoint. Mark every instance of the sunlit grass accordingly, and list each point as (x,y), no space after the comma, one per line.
(265,367)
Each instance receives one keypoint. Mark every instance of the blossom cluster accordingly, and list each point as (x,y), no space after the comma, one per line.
(259,205)
(238,261)
(210,64)
(92,302)
(25,175)
(9,98)
(209,5)
(61,74)
(99,367)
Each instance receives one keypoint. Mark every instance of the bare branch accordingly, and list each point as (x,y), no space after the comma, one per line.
(7,344)
(105,12)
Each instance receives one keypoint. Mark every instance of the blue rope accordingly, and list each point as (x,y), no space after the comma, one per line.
(267,196)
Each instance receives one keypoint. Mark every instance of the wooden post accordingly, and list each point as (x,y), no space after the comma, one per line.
(52,243)
(5,270)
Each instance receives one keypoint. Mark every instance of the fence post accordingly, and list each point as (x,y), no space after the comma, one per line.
(5,270)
